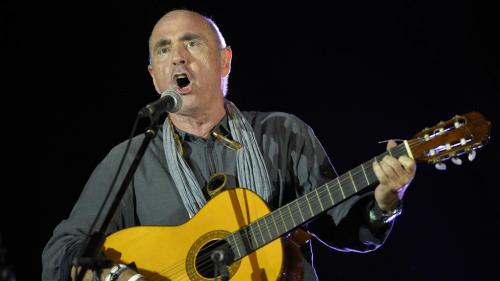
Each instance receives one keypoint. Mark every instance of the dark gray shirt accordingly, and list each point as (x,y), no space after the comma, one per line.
(295,160)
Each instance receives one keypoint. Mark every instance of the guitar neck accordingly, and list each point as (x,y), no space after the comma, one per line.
(286,218)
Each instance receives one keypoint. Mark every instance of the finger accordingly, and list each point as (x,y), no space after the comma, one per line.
(403,176)
(388,169)
(396,166)
(408,164)
(382,178)
(391,144)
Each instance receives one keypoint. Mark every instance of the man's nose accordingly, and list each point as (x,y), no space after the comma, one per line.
(179,56)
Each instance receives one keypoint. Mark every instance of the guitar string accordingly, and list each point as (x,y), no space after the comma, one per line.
(206,257)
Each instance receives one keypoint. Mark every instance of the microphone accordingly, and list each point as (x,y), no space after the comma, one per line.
(170,101)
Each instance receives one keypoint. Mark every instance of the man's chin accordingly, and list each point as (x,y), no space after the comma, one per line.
(188,106)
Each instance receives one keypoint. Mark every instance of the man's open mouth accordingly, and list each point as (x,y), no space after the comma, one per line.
(182,80)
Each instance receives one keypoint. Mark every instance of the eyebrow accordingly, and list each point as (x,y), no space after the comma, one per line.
(183,38)
(190,36)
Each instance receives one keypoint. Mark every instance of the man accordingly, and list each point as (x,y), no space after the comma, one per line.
(276,155)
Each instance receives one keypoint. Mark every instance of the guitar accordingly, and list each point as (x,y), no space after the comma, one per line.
(238,227)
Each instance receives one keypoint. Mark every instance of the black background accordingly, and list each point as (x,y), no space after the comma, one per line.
(357,71)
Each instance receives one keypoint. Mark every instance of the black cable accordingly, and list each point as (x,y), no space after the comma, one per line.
(101,209)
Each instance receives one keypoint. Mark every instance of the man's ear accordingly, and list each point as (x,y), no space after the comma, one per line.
(151,72)
(226,56)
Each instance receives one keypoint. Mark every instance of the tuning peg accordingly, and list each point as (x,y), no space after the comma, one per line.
(472,155)
(440,166)
(456,161)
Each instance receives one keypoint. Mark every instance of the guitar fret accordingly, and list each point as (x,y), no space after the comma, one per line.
(353,183)
(267,228)
(330,194)
(364,173)
(309,204)
(340,187)
(291,215)
(319,199)
(260,231)
(300,211)
(360,178)
(236,244)
(314,202)
(253,236)
(348,185)
(275,226)
(270,229)
(283,220)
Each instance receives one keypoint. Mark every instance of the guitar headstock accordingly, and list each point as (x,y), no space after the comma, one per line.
(450,139)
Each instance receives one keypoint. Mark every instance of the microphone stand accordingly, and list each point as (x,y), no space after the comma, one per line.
(89,259)
(220,265)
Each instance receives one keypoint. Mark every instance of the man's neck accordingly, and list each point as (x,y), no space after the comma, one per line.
(198,124)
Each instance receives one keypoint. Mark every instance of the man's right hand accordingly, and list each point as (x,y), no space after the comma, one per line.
(124,276)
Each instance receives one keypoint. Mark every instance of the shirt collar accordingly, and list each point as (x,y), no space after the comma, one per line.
(222,127)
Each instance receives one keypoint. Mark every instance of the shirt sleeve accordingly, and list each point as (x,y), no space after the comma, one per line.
(345,227)
(68,237)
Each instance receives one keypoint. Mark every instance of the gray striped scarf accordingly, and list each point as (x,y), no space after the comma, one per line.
(250,166)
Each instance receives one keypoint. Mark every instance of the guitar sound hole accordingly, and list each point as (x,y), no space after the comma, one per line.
(204,262)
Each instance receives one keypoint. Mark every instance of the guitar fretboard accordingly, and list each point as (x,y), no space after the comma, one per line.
(282,220)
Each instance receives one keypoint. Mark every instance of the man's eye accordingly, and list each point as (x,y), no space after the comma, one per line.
(163,51)
(193,43)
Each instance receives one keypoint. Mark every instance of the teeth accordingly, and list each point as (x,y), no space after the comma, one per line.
(182,81)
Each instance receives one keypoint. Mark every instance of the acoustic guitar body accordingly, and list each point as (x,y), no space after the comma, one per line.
(180,252)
